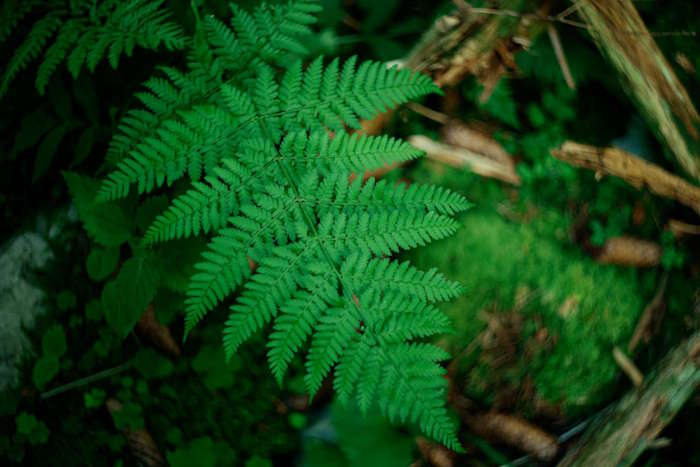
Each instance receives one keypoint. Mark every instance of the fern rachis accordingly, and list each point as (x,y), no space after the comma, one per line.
(270,182)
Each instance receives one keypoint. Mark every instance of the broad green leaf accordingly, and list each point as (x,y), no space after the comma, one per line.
(101,262)
(53,342)
(105,222)
(45,369)
(125,298)
(47,150)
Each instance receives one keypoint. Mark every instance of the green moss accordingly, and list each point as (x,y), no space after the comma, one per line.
(567,311)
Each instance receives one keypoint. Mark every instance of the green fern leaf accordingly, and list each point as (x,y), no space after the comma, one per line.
(251,128)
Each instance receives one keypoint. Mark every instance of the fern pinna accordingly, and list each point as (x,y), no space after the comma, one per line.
(264,141)
(83,31)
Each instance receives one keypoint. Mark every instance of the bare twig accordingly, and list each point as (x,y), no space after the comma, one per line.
(635,171)
(650,317)
(463,158)
(628,367)
(562,18)
(140,441)
(470,137)
(428,113)
(159,334)
(514,431)
(561,58)
(630,251)
(681,229)
(436,454)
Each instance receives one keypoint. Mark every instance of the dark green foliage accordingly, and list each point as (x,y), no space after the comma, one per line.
(83,32)
(356,440)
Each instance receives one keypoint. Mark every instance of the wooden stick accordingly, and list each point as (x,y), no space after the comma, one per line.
(140,441)
(463,158)
(628,367)
(635,171)
(650,317)
(456,133)
(681,229)
(619,436)
(630,251)
(559,53)
(514,431)
(159,334)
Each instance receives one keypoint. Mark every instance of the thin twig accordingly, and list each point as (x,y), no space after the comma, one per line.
(628,367)
(561,58)
(632,169)
(87,380)
(649,316)
(428,113)
(563,20)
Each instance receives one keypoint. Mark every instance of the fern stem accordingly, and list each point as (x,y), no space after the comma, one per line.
(87,380)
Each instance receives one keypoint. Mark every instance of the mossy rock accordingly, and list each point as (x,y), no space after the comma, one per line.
(538,321)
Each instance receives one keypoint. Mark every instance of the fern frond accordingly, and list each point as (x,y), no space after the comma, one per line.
(385,232)
(250,127)
(332,335)
(89,30)
(155,160)
(352,153)
(207,206)
(413,388)
(224,268)
(337,192)
(65,39)
(225,263)
(273,283)
(298,318)
(31,47)
(350,367)
(361,271)
(12,12)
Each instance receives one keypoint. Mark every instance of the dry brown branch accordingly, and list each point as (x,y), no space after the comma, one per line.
(635,171)
(651,317)
(463,43)
(458,134)
(515,432)
(628,367)
(681,229)
(630,251)
(463,158)
(157,333)
(140,442)
(647,76)
(428,113)
(619,436)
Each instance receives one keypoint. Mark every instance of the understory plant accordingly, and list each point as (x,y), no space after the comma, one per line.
(251,149)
